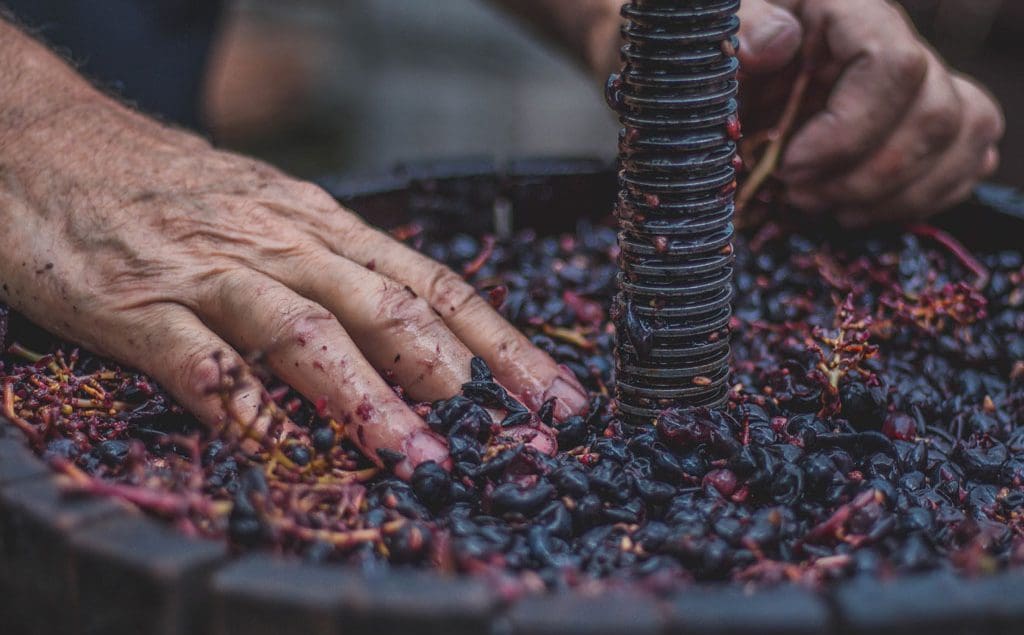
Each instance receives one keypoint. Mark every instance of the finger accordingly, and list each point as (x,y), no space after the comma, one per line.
(306,347)
(169,343)
(769,37)
(529,373)
(990,163)
(971,157)
(399,332)
(966,161)
(885,66)
(929,126)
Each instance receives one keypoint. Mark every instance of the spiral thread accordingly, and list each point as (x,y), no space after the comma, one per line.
(676,101)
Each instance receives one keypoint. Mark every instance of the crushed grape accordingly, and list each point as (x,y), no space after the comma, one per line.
(875,427)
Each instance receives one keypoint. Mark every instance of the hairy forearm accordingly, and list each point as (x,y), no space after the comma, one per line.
(56,129)
(64,148)
(46,102)
(587,29)
(37,85)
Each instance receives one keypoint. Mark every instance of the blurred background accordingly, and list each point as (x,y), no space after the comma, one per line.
(326,85)
(315,84)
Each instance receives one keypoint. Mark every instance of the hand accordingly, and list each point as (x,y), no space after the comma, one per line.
(892,132)
(146,245)
(889,132)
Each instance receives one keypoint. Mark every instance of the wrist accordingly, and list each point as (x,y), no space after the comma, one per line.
(91,155)
(51,117)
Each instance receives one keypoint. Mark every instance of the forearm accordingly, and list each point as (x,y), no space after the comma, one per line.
(586,29)
(64,147)
(46,103)
(37,84)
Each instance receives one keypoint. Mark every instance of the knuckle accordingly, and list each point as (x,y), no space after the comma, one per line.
(940,125)
(909,63)
(873,49)
(450,293)
(517,347)
(200,372)
(355,233)
(250,210)
(219,285)
(989,122)
(300,324)
(302,261)
(404,308)
(312,194)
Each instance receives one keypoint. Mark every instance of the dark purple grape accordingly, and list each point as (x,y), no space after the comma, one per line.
(862,405)
(323,439)
(432,484)
(511,498)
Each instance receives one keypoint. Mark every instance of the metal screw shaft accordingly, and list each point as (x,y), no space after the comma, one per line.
(676,100)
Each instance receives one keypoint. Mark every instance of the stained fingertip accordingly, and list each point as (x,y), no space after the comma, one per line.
(422,446)
(570,396)
(536,436)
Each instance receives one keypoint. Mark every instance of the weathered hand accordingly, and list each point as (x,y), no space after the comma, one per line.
(147,245)
(889,131)
(892,132)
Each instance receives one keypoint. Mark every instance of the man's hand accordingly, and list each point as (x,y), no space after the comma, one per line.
(896,134)
(145,244)
(890,131)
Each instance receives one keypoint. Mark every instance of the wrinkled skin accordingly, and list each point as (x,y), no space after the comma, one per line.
(147,245)
(890,133)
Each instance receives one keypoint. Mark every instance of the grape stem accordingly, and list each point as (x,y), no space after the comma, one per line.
(165,503)
(473,266)
(774,139)
(12,416)
(955,247)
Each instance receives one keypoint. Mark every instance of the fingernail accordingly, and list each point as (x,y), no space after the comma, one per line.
(570,395)
(545,442)
(422,446)
(771,41)
(536,435)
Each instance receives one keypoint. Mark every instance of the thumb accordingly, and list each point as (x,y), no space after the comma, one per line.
(769,36)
